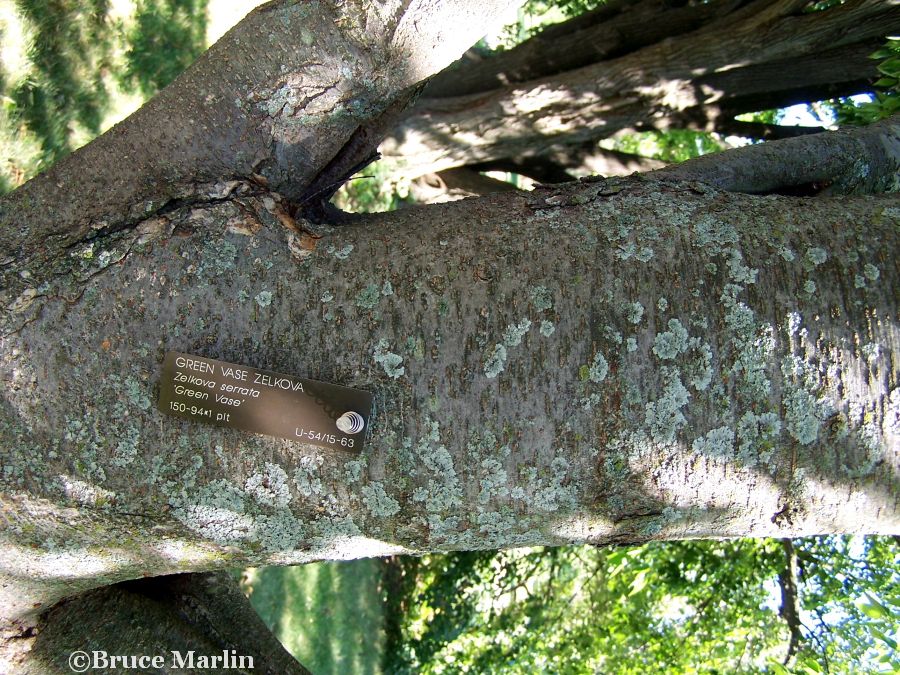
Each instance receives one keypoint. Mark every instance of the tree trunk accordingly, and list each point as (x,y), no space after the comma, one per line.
(718,60)
(194,622)
(605,362)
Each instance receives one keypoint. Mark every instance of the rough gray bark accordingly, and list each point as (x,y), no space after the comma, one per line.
(563,163)
(858,161)
(454,184)
(611,30)
(605,362)
(761,55)
(292,91)
(609,361)
(193,622)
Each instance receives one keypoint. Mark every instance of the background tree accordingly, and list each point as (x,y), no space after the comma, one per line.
(777,380)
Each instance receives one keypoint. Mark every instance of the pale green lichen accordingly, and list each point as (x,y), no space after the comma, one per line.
(871,351)
(389,361)
(353,470)
(263,298)
(277,531)
(871,272)
(269,486)
(307,476)
(416,347)
(127,447)
(512,336)
(626,250)
(598,368)
(892,412)
(218,256)
(387,288)
(493,481)
(547,328)
(327,297)
(814,257)
(443,491)
(541,298)
(136,395)
(378,501)
(714,235)
(753,344)
(697,364)
(757,435)
(671,343)
(368,297)
(495,361)
(631,344)
(718,442)
(802,416)
(633,312)
(554,492)
(663,417)
(86,493)
(737,271)
(662,304)
(809,286)
(341,254)
(872,448)
(644,254)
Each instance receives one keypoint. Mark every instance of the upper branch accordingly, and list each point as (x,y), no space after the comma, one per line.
(279,96)
(854,161)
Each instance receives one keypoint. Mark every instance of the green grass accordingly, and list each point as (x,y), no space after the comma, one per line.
(328,615)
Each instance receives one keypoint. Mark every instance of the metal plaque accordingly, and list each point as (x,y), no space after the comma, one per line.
(284,406)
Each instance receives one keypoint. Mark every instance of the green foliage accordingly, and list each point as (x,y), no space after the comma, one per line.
(673,607)
(373,190)
(533,16)
(851,600)
(68,47)
(676,145)
(886,96)
(167,36)
(65,62)
(569,8)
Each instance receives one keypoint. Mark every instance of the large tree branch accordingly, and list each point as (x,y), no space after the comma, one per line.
(690,81)
(548,367)
(605,33)
(857,161)
(790,598)
(279,97)
(763,132)
(195,622)
(556,162)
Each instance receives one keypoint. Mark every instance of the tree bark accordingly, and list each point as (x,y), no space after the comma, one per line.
(194,622)
(861,161)
(762,55)
(604,362)
(611,361)
(613,29)
(294,92)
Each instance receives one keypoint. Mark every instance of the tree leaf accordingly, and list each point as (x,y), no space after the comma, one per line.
(639,583)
